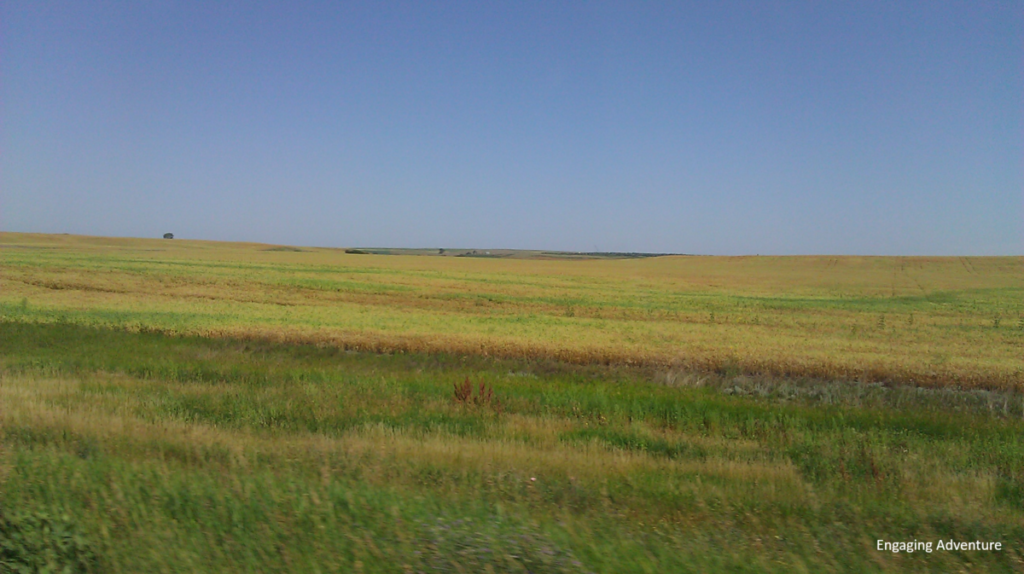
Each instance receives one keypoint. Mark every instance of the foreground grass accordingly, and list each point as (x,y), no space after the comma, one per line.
(160,453)
(926,321)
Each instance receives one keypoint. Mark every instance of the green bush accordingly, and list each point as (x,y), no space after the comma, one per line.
(38,542)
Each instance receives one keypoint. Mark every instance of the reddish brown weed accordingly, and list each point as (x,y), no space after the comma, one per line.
(484,396)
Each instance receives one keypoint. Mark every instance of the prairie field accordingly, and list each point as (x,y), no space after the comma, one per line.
(179,406)
(925,321)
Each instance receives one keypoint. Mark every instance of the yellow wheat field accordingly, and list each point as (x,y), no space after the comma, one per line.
(926,320)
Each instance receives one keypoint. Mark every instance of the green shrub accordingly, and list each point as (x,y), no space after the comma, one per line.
(38,542)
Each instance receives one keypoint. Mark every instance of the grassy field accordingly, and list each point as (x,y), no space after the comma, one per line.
(140,452)
(175,406)
(926,321)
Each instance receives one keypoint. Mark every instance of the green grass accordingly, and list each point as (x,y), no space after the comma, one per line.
(128,451)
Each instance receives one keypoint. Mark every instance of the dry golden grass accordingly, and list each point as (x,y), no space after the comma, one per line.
(927,320)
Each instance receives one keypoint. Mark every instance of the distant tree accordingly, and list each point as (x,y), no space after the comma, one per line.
(168,236)
(440,251)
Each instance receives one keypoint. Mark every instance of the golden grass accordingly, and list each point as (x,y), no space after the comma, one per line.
(927,320)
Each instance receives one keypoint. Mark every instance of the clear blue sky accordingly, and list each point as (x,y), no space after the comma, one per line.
(862,127)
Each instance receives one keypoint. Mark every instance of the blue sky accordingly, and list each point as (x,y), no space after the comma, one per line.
(704,127)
